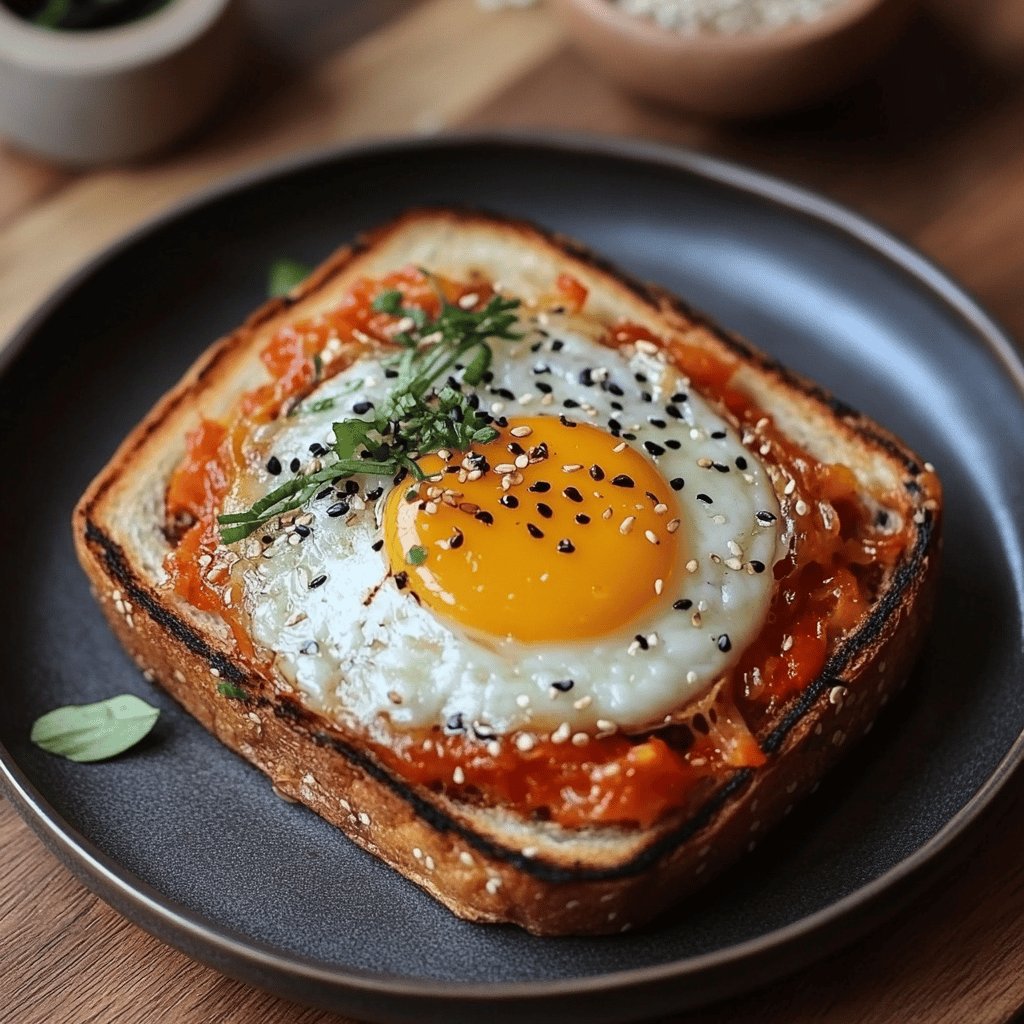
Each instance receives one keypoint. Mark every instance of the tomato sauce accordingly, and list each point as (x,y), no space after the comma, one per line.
(822,588)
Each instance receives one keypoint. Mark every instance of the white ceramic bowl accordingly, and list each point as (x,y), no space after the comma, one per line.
(103,95)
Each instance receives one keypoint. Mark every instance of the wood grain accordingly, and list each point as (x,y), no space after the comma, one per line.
(931,145)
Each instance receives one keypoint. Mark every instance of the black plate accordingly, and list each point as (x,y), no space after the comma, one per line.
(190,842)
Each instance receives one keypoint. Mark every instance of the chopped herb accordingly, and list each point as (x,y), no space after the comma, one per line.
(416,417)
(416,555)
(232,691)
(94,732)
(285,274)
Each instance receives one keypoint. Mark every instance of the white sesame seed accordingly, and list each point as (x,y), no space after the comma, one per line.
(580,739)
(672,525)
(651,536)
(626,525)
(417,853)
(530,851)
(734,563)
(619,447)
(521,431)
(561,734)
(660,509)
(364,818)
(522,461)
(469,300)
(691,677)
(525,742)
(525,399)
(790,486)
(458,775)
(492,885)
(801,507)
(494,748)
(571,467)
(692,565)
(837,694)
(505,467)
(466,859)
(523,700)
(659,586)
(428,862)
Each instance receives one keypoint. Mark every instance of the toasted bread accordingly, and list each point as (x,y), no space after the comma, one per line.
(488,863)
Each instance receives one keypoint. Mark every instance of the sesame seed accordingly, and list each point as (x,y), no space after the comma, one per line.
(566,546)
(509,501)
(651,536)
(660,509)
(522,461)
(563,685)
(619,447)
(521,431)
(458,775)
(318,581)
(571,467)
(295,465)
(274,465)
(580,739)
(505,467)
(724,643)
(626,525)
(622,480)
(677,483)
(582,518)
(659,586)
(525,742)
(339,508)
(757,566)
(561,734)
(544,510)
(692,566)
(682,605)
(534,531)
(484,517)
(705,498)
(572,494)
(654,449)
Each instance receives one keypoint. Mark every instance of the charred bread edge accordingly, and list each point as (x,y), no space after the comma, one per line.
(905,573)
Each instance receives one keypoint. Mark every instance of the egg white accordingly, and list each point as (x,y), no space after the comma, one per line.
(357,647)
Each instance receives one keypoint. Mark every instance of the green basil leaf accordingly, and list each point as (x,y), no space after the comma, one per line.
(416,555)
(285,275)
(94,732)
(232,692)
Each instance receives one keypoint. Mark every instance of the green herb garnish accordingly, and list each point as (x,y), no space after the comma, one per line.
(418,416)
(285,275)
(232,691)
(94,732)
(416,555)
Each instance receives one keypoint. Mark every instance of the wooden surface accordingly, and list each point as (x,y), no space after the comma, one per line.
(931,145)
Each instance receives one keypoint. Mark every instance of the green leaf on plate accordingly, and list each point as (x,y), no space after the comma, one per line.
(94,732)
(285,275)
(231,691)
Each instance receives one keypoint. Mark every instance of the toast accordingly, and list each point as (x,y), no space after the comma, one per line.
(486,861)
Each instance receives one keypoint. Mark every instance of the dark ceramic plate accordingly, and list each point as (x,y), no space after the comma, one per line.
(190,842)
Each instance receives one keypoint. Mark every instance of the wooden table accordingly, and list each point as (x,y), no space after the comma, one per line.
(931,145)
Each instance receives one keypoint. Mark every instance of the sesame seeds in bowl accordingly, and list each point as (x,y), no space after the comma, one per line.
(735,59)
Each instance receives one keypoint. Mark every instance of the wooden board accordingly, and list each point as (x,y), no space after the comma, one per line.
(931,145)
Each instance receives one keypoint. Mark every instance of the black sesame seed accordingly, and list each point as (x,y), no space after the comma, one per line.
(377,545)
(705,499)
(484,516)
(566,546)
(504,393)
(401,580)
(563,685)
(316,449)
(684,604)
(339,508)
(765,517)
(351,487)
(541,368)
(674,444)
(390,374)
(509,501)
(456,540)
(360,407)
(612,388)
(675,413)
(622,480)
(679,396)
(400,476)
(543,388)
(654,449)
(586,377)
(757,566)
(617,406)
(720,467)
(677,483)
(718,435)
(646,396)
(273,465)
(515,448)
(501,421)
(596,472)
(614,426)
(629,437)
(572,494)
(557,345)
(642,641)
(544,510)
(566,422)
(655,422)
(741,463)
(571,403)
(640,378)
(540,487)
(724,643)
(534,531)
(267,539)
(295,465)
(454,723)
(582,518)
(323,494)
(374,494)
(319,581)
(302,531)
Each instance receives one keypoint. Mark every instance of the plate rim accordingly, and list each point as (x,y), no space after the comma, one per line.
(191,932)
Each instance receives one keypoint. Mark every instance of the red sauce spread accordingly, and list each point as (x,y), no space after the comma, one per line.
(822,586)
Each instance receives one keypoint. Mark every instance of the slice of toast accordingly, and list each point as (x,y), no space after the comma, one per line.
(489,863)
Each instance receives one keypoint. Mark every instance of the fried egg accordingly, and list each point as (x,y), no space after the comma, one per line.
(596,567)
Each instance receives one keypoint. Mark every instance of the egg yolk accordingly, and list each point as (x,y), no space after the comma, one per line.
(555,530)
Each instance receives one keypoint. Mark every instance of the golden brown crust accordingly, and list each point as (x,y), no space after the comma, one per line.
(464,861)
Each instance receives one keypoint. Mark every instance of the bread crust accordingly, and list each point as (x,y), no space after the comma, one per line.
(483,869)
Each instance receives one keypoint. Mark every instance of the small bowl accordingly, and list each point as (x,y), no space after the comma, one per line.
(96,96)
(746,75)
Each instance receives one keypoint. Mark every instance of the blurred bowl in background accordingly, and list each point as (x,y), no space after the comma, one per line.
(112,94)
(734,75)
